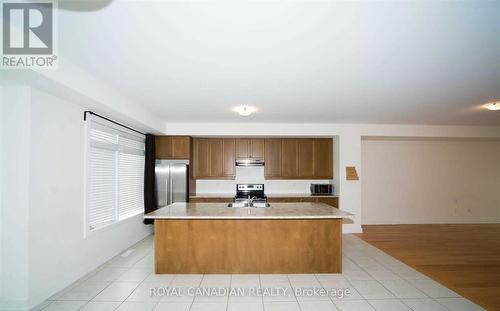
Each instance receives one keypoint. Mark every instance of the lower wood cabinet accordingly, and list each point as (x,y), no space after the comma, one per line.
(213,158)
(211,199)
(332,201)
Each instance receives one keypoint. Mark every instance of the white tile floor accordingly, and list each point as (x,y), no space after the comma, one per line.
(375,280)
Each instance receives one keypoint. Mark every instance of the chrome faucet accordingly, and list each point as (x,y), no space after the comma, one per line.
(250,200)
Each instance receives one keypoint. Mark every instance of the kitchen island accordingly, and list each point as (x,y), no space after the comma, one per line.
(214,238)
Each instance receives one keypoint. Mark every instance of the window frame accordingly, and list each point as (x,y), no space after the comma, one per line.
(88,144)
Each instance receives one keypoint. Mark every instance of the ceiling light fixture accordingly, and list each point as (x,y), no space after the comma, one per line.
(492,106)
(245,110)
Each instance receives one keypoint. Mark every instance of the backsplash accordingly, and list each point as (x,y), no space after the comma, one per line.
(255,175)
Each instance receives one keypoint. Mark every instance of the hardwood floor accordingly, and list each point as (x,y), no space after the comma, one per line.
(463,257)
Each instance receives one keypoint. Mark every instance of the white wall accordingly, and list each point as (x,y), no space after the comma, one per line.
(70,82)
(336,170)
(430,181)
(56,190)
(254,174)
(53,187)
(15,193)
(349,145)
(2,108)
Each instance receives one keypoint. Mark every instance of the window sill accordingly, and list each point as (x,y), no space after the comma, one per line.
(89,233)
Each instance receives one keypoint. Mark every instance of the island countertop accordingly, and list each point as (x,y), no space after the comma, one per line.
(269,195)
(303,210)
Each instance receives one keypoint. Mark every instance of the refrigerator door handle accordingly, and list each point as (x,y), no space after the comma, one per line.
(179,184)
(161,189)
(171,187)
(167,185)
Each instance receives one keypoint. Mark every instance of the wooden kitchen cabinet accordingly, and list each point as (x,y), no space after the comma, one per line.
(323,158)
(249,148)
(272,155)
(330,200)
(181,147)
(195,199)
(300,158)
(285,158)
(216,157)
(213,158)
(305,158)
(173,147)
(257,148)
(201,158)
(229,158)
(163,147)
(243,148)
(289,158)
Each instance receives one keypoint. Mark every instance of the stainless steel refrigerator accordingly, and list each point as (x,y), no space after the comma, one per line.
(172,181)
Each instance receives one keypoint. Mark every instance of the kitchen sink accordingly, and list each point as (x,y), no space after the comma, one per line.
(255,205)
(260,204)
(237,205)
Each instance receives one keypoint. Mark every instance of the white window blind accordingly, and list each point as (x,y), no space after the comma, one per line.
(115,173)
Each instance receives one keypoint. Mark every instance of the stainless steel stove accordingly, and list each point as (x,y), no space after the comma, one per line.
(248,193)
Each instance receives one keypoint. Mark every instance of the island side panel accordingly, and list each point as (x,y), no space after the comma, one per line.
(248,246)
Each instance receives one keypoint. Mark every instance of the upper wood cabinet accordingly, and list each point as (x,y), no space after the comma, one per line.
(173,147)
(289,157)
(201,157)
(257,148)
(229,159)
(243,148)
(306,157)
(213,158)
(216,157)
(272,155)
(299,158)
(249,148)
(323,158)
(285,158)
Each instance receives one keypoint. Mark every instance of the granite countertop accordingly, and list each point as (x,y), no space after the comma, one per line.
(269,195)
(213,195)
(300,195)
(221,211)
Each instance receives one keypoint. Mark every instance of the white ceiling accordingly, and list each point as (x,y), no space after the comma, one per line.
(405,62)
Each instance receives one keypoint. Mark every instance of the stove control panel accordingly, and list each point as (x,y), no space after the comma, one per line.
(250,187)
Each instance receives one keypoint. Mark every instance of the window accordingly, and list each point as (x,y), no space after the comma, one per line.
(115,173)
